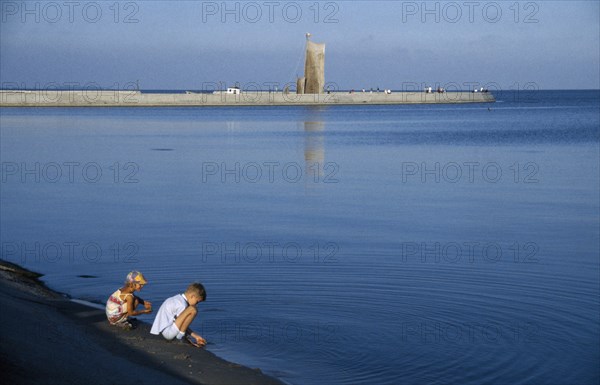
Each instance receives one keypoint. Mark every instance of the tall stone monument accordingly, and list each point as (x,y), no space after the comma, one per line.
(313,81)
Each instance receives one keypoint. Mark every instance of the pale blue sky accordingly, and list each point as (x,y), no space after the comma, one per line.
(182,44)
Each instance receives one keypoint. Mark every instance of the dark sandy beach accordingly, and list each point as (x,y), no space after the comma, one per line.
(46,338)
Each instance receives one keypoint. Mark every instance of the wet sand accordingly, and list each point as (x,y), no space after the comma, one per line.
(46,338)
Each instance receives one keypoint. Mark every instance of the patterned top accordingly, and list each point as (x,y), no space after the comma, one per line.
(116,308)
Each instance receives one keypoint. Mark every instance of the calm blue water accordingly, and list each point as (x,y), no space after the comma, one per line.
(340,245)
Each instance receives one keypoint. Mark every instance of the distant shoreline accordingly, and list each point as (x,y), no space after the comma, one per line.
(50,339)
(135,98)
(200,91)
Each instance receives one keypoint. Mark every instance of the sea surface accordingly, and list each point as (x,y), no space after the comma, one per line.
(412,244)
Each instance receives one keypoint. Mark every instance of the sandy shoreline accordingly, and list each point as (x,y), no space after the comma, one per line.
(46,338)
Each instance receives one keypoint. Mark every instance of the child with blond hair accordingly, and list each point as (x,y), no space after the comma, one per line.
(122,303)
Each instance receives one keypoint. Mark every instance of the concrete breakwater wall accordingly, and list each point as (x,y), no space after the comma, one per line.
(108,98)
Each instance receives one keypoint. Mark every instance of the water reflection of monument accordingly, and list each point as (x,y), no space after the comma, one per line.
(314,151)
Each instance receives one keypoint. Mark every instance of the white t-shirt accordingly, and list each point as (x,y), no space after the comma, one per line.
(169,310)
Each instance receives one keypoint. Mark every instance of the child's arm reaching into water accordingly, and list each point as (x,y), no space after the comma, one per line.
(147,304)
(199,340)
(133,302)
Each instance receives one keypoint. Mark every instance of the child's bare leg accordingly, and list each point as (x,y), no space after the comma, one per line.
(184,320)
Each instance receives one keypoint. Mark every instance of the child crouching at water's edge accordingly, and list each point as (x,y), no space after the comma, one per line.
(122,303)
(176,314)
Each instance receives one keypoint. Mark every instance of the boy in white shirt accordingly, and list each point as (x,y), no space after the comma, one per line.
(177,313)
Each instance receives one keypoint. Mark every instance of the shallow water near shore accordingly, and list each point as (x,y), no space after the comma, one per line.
(339,245)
